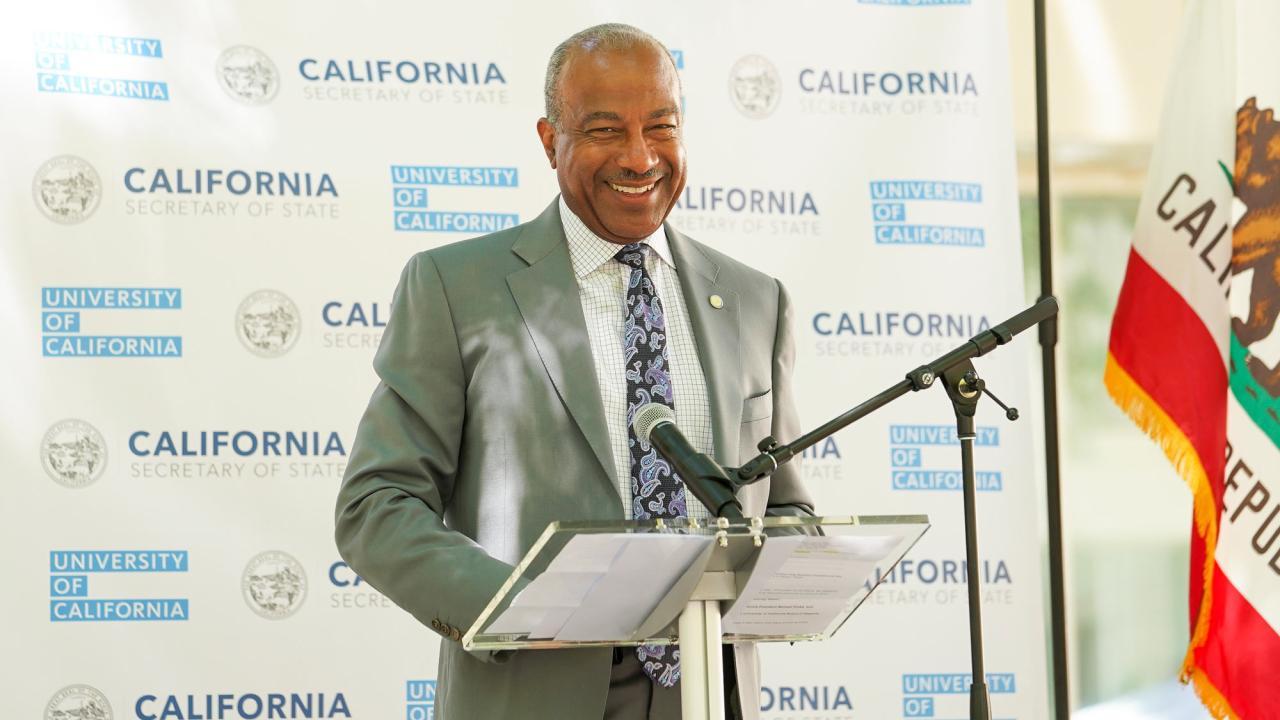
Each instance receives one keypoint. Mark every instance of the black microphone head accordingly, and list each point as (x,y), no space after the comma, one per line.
(648,417)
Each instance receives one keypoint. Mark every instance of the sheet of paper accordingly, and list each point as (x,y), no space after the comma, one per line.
(558,590)
(551,622)
(640,577)
(592,552)
(600,586)
(584,559)
(801,584)
(516,620)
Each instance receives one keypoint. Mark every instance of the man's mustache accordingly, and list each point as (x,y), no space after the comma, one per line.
(633,176)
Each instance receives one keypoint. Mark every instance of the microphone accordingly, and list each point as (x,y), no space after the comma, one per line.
(655,424)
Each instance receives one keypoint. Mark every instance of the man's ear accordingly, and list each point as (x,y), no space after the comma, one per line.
(547,133)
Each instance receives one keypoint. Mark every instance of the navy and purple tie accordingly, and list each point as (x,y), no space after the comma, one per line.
(656,490)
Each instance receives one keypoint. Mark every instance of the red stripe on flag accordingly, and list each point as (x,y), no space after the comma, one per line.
(1164,346)
(1237,656)
(1165,349)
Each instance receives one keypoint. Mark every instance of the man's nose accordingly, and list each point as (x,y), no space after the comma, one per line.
(637,155)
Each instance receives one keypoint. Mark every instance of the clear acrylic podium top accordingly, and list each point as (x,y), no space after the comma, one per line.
(587,600)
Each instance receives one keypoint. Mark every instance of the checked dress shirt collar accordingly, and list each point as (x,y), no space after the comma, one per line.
(589,251)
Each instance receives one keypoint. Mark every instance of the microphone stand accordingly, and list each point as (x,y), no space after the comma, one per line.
(963,387)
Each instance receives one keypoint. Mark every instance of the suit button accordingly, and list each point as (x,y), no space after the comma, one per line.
(435,623)
(456,634)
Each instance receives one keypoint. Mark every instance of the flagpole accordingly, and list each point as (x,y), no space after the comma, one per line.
(1048,342)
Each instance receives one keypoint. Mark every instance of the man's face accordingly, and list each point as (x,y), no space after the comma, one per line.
(618,151)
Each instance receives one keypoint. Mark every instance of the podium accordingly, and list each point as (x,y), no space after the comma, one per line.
(698,585)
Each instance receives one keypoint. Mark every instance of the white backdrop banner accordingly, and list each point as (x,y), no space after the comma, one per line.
(205,208)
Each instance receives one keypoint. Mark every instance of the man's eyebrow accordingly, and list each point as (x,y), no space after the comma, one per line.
(601,115)
(610,115)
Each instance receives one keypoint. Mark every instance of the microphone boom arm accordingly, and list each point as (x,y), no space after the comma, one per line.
(772,454)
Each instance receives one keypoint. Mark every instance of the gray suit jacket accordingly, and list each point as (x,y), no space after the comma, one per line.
(488,425)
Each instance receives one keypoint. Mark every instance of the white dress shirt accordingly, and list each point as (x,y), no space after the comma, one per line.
(602,288)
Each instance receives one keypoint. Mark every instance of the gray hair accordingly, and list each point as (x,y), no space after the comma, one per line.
(608,36)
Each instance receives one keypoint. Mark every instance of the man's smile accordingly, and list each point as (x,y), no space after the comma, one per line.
(635,189)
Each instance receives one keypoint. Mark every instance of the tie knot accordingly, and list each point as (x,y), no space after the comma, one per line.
(632,255)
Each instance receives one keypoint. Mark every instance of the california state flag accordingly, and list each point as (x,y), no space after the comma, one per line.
(1194,358)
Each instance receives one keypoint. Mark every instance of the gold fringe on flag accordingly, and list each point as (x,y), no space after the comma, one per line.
(1152,419)
(1213,700)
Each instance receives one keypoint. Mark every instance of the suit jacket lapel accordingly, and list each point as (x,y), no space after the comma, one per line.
(547,295)
(716,333)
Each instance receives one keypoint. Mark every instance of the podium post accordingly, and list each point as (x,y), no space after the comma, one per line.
(701,662)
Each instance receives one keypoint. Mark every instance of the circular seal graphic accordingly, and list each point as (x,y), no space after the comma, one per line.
(78,702)
(268,323)
(755,86)
(248,75)
(73,453)
(274,584)
(67,189)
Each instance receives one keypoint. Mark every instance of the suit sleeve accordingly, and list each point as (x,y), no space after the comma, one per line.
(400,476)
(787,494)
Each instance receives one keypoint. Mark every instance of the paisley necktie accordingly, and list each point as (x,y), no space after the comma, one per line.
(656,490)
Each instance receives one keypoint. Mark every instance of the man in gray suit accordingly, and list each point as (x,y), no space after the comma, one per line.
(509,367)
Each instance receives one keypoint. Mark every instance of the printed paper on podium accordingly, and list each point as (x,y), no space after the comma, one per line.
(801,584)
(601,586)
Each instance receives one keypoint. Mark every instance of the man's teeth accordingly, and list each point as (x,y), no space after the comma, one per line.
(631,190)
